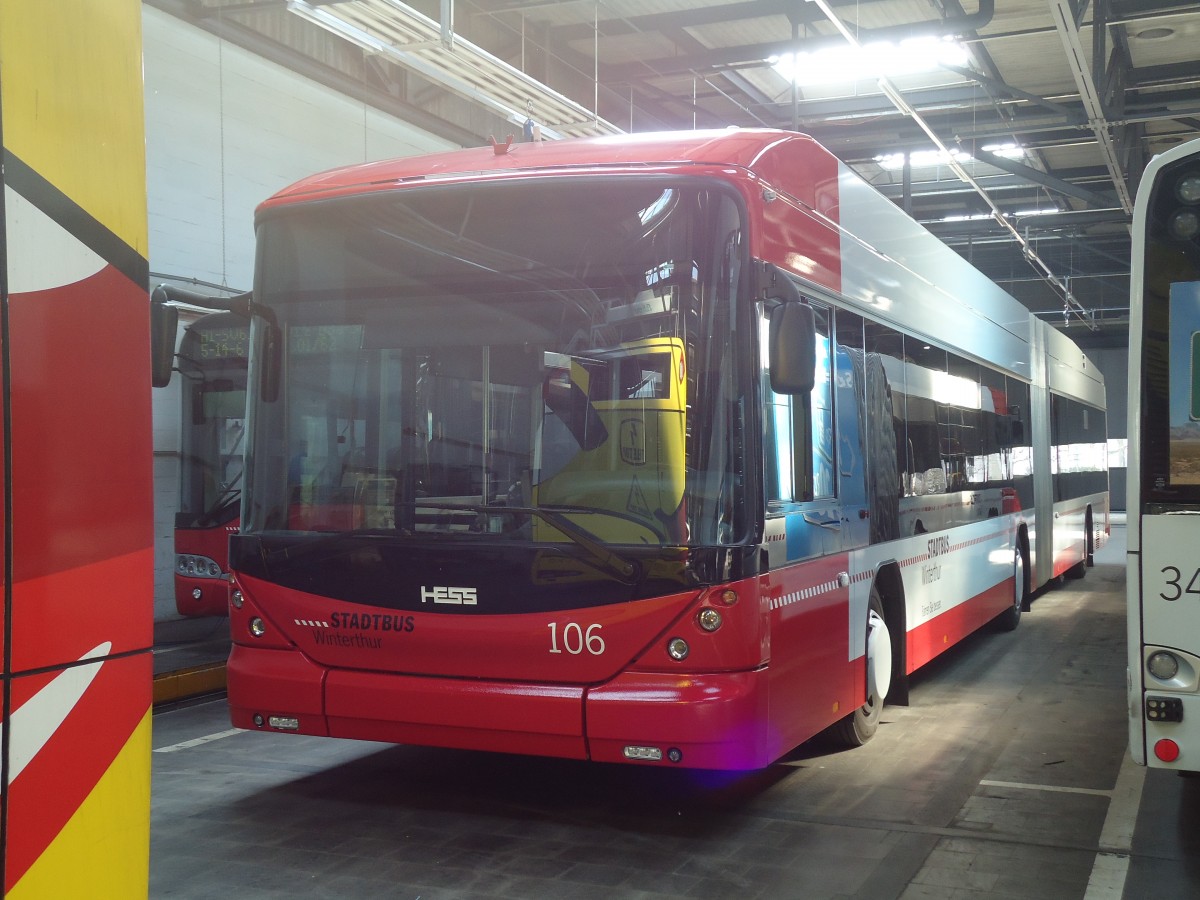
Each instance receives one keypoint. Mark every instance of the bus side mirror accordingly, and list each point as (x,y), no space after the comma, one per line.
(164,323)
(793,348)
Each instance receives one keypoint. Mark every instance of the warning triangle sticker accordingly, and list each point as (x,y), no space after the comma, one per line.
(637,500)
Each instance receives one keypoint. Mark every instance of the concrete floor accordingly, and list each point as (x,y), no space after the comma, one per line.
(1003,778)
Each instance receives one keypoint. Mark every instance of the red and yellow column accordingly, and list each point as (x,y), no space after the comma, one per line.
(77,526)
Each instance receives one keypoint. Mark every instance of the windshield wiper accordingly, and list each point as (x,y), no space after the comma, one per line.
(626,571)
(215,514)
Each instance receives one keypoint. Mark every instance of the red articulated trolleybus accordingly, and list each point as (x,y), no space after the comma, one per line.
(671,449)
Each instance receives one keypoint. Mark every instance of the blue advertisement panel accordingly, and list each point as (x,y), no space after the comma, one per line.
(1185,389)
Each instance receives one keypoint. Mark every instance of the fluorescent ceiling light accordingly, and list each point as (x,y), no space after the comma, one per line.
(1017,214)
(882,59)
(928,159)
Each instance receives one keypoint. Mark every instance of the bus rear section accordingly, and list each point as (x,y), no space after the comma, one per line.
(1163,506)
(1078,443)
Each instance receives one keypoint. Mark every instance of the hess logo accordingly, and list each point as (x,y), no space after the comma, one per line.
(456,596)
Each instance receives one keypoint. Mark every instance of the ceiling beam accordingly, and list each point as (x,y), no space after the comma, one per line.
(1057,185)
(1049,222)
(1001,87)
(696,17)
(1068,30)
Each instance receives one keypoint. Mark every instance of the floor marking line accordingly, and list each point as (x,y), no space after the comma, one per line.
(1046,787)
(1107,881)
(196,742)
(1117,833)
(1109,871)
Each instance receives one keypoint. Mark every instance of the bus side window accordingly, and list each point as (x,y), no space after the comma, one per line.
(964,430)
(997,429)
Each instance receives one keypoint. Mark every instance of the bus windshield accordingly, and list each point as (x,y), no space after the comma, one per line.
(539,360)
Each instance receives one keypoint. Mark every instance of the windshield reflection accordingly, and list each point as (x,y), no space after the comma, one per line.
(455,361)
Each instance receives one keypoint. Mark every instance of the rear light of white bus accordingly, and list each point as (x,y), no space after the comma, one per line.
(1166,750)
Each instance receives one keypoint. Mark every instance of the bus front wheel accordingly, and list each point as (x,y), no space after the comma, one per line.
(860,726)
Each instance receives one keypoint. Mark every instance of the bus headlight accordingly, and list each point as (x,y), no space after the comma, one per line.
(194,566)
(709,619)
(1188,188)
(1183,225)
(1163,665)
(258,627)
(677,649)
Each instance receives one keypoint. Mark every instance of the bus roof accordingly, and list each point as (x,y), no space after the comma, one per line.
(858,244)
(759,150)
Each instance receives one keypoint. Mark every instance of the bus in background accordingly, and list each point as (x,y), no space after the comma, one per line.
(212,364)
(1164,464)
(671,449)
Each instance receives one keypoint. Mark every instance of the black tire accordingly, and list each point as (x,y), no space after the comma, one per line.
(860,726)
(1080,568)
(1011,617)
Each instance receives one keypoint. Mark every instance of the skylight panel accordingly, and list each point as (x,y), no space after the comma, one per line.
(882,59)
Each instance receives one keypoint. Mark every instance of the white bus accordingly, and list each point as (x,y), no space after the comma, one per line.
(1164,465)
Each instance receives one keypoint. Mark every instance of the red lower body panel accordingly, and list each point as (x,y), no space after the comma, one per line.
(714,721)
(537,720)
(275,683)
(1069,557)
(473,715)
(937,635)
(213,599)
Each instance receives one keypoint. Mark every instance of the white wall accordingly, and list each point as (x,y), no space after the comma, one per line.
(225,129)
